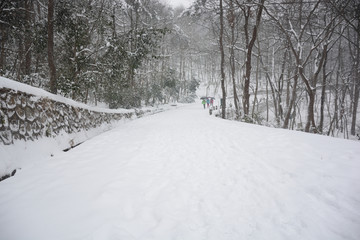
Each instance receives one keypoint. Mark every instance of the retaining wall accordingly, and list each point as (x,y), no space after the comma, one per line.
(27,117)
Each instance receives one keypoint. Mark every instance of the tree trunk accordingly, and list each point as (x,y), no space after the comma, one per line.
(267,101)
(249,47)
(28,37)
(356,103)
(50,43)
(20,66)
(257,80)
(336,102)
(281,85)
(222,64)
(3,32)
(292,102)
(231,19)
(323,91)
(310,123)
(246,95)
(288,93)
(311,90)
(356,80)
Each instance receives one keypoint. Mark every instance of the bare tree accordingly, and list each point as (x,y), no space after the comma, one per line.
(356,74)
(323,94)
(309,44)
(250,42)
(350,12)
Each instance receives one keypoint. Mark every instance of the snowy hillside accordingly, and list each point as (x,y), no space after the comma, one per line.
(183,174)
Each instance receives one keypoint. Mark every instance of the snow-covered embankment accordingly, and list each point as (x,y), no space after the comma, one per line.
(33,120)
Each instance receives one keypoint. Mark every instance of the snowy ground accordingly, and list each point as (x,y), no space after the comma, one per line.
(183,174)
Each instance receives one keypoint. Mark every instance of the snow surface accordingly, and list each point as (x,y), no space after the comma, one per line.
(183,174)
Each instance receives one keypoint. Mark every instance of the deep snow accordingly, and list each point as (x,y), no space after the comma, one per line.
(183,174)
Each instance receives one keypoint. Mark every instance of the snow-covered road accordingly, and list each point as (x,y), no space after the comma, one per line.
(183,174)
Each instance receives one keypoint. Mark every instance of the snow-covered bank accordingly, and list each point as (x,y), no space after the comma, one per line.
(31,117)
(183,174)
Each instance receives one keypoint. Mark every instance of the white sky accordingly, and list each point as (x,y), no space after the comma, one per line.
(175,3)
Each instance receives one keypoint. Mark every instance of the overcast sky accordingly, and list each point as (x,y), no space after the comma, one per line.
(175,3)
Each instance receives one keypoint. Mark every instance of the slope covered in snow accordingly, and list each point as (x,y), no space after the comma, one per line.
(183,174)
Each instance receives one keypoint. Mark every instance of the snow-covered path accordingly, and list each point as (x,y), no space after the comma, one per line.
(183,174)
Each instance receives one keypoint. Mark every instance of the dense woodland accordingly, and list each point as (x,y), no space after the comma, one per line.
(286,63)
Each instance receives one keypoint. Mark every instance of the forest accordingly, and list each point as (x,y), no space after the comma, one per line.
(290,64)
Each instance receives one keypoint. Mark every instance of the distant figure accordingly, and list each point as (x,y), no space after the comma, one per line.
(208,102)
(211,102)
(203,103)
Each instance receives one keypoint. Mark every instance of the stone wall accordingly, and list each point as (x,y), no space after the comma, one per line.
(27,117)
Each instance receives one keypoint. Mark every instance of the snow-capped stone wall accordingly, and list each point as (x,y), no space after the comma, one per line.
(25,116)
(36,125)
